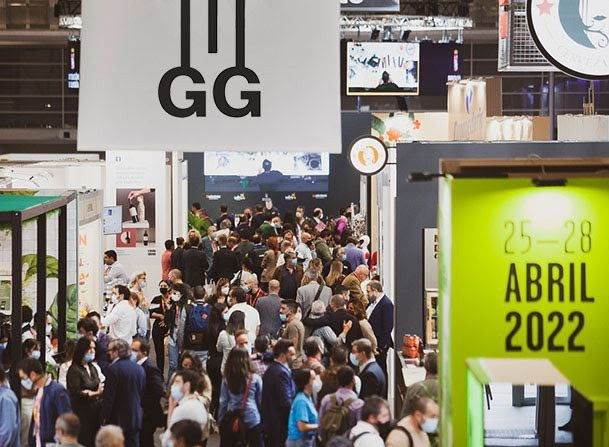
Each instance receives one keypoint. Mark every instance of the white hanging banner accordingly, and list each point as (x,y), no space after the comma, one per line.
(196,75)
(370,5)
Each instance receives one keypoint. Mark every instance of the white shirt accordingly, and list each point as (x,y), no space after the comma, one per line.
(304,252)
(370,439)
(190,408)
(121,321)
(371,307)
(252,320)
(114,275)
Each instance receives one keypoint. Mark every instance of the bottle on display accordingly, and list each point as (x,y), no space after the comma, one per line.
(141,209)
(145,237)
(133,213)
(127,238)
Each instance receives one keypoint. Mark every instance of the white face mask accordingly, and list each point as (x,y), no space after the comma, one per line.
(175,297)
(224,290)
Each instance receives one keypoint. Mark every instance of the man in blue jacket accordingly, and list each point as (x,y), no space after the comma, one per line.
(372,376)
(11,416)
(123,392)
(278,390)
(380,314)
(51,401)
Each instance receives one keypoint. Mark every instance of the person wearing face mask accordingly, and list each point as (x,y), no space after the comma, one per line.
(183,403)
(158,308)
(380,314)
(373,425)
(175,318)
(354,283)
(87,327)
(30,348)
(123,393)
(122,318)
(289,276)
(415,429)
(253,291)
(51,401)
(238,300)
(85,389)
(290,314)
(222,291)
(226,339)
(214,361)
(338,255)
(319,219)
(373,378)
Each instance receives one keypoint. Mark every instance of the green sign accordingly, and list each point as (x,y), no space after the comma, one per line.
(524,273)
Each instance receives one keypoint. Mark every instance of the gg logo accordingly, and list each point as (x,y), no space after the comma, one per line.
(198,97)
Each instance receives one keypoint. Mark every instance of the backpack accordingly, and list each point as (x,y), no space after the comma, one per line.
(197,319)
(335,421)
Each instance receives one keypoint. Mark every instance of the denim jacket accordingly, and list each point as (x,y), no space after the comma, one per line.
(231,402)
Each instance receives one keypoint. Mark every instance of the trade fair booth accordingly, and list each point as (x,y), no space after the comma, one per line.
(39,229)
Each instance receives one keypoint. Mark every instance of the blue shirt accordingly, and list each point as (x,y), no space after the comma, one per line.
(10,421)
(303,410)
(231,402)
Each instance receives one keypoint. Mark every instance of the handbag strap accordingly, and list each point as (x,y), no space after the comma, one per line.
(317,295)
(247,392)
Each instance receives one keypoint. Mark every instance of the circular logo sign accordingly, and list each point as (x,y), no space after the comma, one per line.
(572,34)
(368,155)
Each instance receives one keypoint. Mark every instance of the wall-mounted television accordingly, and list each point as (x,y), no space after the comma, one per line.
(266,171)
(382,68)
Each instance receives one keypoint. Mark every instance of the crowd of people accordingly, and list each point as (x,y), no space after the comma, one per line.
(269,330)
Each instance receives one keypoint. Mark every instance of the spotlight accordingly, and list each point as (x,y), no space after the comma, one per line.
(387,35)
(375,34)
(406,35)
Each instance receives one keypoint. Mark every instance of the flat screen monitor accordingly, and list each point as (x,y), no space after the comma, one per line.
(382,68)
(266,171)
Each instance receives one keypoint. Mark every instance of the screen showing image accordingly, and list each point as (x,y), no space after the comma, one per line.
(266,171)
(382,68)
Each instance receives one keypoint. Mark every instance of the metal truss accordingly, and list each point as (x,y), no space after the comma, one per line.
(353,23)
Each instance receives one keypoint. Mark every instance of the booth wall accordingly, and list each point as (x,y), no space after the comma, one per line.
(343,185)
(417,208)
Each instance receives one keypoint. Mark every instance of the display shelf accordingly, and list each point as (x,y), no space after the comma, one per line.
(144,225)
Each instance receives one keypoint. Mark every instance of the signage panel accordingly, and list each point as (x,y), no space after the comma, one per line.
(523,275)
(572,34)
(210,75)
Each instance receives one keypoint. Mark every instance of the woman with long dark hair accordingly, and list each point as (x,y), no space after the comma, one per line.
(175,319)
(215,326)
(226,339)
(241,394)
(158,308)
(85,390)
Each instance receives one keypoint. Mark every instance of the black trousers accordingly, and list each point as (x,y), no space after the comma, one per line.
(158,337)
(253,436)
(381,359)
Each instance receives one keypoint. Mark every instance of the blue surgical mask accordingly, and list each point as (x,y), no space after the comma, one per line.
(27,383)
(36,355)
(133,357)
(226,317)
(89,357)
(344,258)
(294,262)
(114,299)
(176,392)
(142,284)
(353,359)
(49,329)
(246,289)
(430,425)
(3,346)
(283,317)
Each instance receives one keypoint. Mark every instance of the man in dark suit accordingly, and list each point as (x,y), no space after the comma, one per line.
(195,263)
(337,319)
(380,313)
(225,262)
(155,389)
(372,376)
(278,390)
(123,393)
(177,257)
(223,216)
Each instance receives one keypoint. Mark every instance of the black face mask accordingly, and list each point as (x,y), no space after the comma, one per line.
(163,290)
(384,429)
